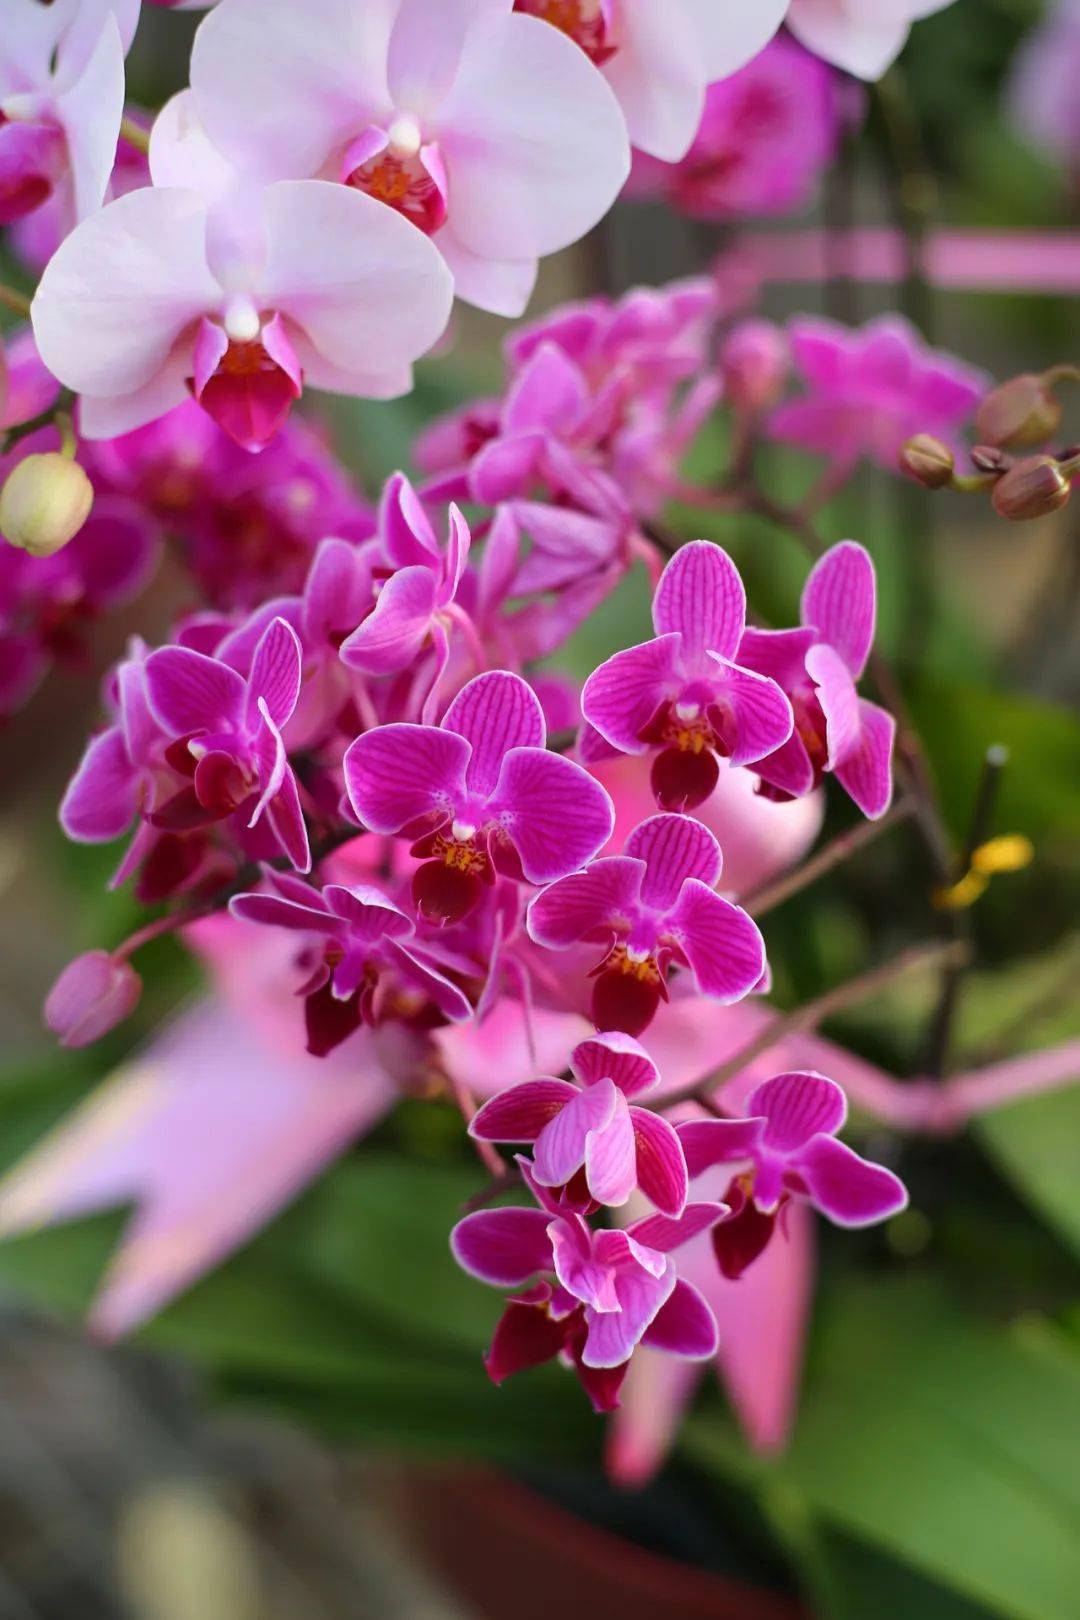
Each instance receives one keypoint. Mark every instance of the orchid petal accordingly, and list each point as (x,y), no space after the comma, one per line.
(722,944)
(839,601)
(839,702)
(103,795)
(706,1142)
(503,1246)
(796,1107)
(622,696)
(614,1335)
(610,1165)
(495,712)
(685,1325)
(673,848)
(759,712)
(661,1167)
(561,1145)
(586,903)
(397,774)
(866,772)
(615,1057)
(189,692)
(392,635)
(667,1232)
(275,673)
(701,597)
(556,816)
(521,1112)
(848,1189)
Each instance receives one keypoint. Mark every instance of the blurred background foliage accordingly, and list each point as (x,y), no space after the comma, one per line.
(933,1470)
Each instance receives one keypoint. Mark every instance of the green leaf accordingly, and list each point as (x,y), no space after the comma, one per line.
(940,1442)
(1036,1144)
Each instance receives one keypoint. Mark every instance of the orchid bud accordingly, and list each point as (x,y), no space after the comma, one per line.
(927,460)
(92,995)
(754,365)
(987,458)
(1021,413)
(44,503)
(1034,488)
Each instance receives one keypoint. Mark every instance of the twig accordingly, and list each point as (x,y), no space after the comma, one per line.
(841,849)
(509,1176)
(813,1013)
(12,298)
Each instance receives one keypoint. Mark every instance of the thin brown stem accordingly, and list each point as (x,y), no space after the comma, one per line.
(13,299)
(864,987)
(834,854)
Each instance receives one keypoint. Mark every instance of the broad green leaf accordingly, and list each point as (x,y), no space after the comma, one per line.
(1037,1145)
(948,1445)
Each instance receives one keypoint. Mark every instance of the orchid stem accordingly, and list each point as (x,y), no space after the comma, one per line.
(834,854)
(918,958)
(12,298)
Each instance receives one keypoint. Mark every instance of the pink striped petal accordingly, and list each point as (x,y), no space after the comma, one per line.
(562,1143)
(684,1326)
(622,696)
(495,712)
(610,1161)
(556,816)
(587,903)
(189,692)
(273,911)
(839,601)
(661,1168)
(866,773)
(614,1335)
(549,392)
(797,1106)
(789,769)
(666,1232)
(615,1057)
(706,1142)
(398,774)
(758,715)
(503,1246)
(722,944)
(839,702)
(287,823)
(392,635)
(701,597)
(673,848)
(780,654)
(103,795)
(419,974)
(848,1189)
(275,673)
(521,1113)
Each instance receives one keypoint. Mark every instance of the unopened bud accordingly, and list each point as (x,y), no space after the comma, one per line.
(1021,413)
(928,461)
(44,503)
(1034,488)
(754,364)
(92,995)
(987,458)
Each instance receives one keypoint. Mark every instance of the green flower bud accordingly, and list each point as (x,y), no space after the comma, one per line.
(44,503)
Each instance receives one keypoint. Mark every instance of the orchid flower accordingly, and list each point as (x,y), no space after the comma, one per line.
(659,60)
(416,604)
(599,1294)
(870,389)
(864,37)
(61,101)
(818,666)
(226,737)
(487,131)
(593,1127)
(650,907)
(201,281)
(478,794)
(686,693)
(369,970)
(785,1148)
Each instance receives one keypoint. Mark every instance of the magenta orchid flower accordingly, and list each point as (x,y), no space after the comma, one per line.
(651,907)
(202,283)
(786,1148)
(488,132)
(593,1127)
(871,388)
(818,666)
(686,694)
(61,101)
(478,794)
(226,738)
(658,60)
(598,1294)
(369,970)
(416,605)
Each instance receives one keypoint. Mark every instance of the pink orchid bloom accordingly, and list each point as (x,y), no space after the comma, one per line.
(485,130)
(786,1148)
(226,737)
(864,37)
(766,136)
(1042,87)
(659,60)
(593,1127)
(478,793)
(369,969)
(201,282)
(608,1292)
(687,694)
(416,605)
(61,101)
(650,907)
(870,389)
(818,666)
